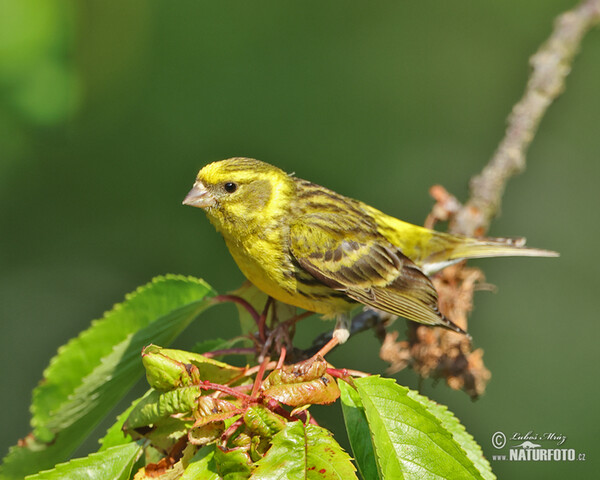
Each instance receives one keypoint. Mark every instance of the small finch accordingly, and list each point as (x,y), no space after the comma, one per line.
(313,248)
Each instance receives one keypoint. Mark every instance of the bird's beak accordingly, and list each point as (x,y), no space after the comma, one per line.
(199,197)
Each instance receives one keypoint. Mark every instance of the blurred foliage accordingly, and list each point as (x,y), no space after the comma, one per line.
(37,76)
(39,85)
(108,109)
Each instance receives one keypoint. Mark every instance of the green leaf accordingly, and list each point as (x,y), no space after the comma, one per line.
(263,421)
(219,344)
(82,355)
(170,415)
(119,370)
(304,452)
(358,431)
(112,464)
(459,433)
(232,464)
(409,441)
(164,437)
(202,466)
(173,472)
(114,435)
(156,406)
(167,369)
(92,372)
(302,384)
(321,391)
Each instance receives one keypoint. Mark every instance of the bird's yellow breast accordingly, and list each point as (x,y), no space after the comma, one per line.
(269,265)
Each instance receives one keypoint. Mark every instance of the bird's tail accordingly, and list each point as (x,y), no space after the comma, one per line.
(432,250)
(453,248)
(498,247)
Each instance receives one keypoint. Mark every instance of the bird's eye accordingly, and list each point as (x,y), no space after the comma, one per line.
(230,187)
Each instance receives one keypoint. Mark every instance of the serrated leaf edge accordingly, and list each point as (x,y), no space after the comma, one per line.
(35,424)
(442,429)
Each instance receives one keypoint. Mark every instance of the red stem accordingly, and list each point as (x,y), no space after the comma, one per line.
(274,406)
(263,320)
(297,318)
(231,430)
(225,389)
(259,377)
(239,301)
(281,357)
(330,345)
(229,351)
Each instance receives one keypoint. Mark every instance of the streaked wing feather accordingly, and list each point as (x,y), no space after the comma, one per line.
(371,270)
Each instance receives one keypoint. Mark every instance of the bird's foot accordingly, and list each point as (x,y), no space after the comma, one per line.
(342,329)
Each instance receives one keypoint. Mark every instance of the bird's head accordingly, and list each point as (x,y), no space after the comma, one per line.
(240,193)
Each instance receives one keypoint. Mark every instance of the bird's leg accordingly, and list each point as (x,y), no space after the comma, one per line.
(282,335)
(341,331)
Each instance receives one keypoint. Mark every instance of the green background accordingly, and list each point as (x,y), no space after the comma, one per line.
(108,109)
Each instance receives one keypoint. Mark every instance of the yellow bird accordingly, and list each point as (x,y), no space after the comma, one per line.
(313,248)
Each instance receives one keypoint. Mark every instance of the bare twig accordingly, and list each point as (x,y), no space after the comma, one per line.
(550,66)
(442,354)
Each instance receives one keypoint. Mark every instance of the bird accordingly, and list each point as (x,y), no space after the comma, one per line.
(305,245)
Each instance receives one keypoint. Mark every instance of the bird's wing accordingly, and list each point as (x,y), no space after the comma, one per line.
(368,269)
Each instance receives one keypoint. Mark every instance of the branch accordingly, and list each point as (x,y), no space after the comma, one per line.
(442,354)
(550,66)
